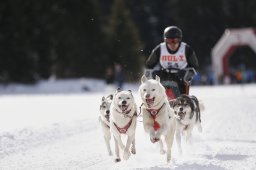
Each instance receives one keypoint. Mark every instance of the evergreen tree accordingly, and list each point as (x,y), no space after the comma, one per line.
(78,39)
(125,44)
(17,59)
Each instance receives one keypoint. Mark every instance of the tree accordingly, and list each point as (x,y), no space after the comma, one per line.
(78,39)
(19,50)
(124,42)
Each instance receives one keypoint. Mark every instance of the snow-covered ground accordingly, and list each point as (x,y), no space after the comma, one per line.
(54,125)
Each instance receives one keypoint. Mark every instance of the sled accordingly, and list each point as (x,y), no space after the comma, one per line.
(171,87)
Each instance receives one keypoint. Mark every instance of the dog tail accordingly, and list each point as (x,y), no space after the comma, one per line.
(201,105)
(199,127)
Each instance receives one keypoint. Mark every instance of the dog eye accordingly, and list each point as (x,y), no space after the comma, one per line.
(119,98)
(128,98)
(153,89)
(144,89)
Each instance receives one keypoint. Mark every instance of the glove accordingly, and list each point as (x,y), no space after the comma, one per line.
(189,76)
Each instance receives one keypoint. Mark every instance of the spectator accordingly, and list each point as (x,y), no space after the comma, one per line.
(109,79)
(119,75)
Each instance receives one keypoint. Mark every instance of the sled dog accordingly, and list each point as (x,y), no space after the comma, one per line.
(158,116)
(104,120)
(187,113)
(123,120)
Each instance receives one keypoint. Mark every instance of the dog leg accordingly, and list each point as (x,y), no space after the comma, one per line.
(133,149)
(152,135)
(117,159)
(162,151)
(107,136)
(127,152)
(189,135)
(119,140)
(107,141)
(178,141)
(169,141)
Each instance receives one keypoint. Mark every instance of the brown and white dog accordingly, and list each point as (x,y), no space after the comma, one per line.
(104,120)
(187,111)
(158,116)
(123,121)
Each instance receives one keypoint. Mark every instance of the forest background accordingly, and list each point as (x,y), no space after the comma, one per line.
(82,38)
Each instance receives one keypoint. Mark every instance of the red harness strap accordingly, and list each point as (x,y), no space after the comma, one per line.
(153,113)
(187,88)
(125,128)
(170,94)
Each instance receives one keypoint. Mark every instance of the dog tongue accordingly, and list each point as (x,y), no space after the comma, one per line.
(150,101)
(123,108)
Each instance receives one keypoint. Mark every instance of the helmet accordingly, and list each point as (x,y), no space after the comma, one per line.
(172,32)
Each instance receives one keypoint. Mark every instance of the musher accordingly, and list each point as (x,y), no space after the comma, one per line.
(173,60)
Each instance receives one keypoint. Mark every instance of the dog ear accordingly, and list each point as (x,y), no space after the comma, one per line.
(172,102)
(118,89)
(103,98)
(110,96)
(157,78)
(144,79)
(130,92)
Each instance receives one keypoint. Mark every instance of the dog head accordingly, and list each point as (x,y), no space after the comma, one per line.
(151,91)
(105,106)
(123,101)
(183,107)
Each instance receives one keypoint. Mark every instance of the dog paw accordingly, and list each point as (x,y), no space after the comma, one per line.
(110,153)
(168,158)
(126,155)
(117,160)
(133,150)
(153,140)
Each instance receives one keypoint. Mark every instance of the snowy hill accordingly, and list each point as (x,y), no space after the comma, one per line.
(57,128)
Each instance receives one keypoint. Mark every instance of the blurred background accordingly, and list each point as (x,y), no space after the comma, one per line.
(63,39)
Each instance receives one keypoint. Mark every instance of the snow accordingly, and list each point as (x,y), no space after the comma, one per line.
(54,125)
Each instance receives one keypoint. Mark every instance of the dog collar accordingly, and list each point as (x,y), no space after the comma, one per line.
(125,113)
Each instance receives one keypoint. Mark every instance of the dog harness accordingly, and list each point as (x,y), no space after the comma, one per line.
(124,129)
(153,113)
